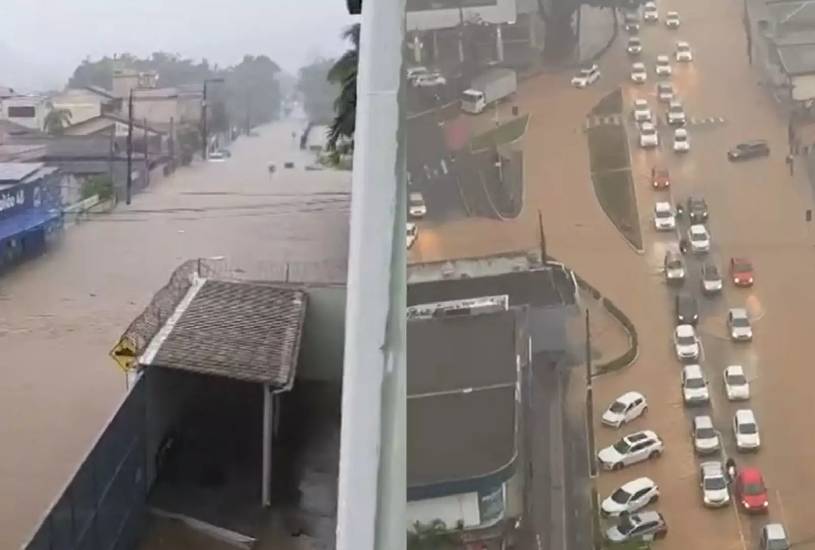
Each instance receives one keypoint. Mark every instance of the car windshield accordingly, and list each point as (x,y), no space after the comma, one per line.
(754,489)
(617,407)
(740,322)
(686,340)
(621,447)
(705,433)
(648,130)
(626,525)
(585,72)
(715,483)
(711,273)
(777,545)
(742,267)
(748,428)
(620,496)
(683,47)
(664,214)
(736,379)
(674,264)
(698,236)
(694,383)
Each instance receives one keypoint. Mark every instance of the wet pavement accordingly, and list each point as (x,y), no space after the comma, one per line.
(60,314)
(757,210)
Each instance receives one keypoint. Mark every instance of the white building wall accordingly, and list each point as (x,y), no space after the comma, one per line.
(803,87)
(504,11)
(450,509)
(35,122)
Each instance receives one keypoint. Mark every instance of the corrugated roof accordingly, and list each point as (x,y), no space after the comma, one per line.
(17,171)
(246,331)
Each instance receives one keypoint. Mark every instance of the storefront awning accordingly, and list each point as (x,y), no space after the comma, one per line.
(25,222)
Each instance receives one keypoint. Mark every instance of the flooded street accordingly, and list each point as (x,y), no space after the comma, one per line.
(60,314)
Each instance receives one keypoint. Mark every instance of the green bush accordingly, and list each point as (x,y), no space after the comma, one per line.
(102,186)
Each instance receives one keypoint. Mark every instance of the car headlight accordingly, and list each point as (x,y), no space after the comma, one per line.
(735,279)
(750,280)
(765,504)
(745,504)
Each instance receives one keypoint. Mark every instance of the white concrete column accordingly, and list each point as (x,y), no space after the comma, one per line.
(417,49)
(499,43)
(435,46)
(268,421)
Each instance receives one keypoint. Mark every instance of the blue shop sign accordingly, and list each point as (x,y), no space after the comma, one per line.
(19,198)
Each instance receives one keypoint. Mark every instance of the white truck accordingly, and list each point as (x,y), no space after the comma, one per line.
(487,88)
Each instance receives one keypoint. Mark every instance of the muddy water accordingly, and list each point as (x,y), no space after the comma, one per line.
(60,314)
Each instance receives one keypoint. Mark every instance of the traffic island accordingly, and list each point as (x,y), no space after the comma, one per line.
(612,180)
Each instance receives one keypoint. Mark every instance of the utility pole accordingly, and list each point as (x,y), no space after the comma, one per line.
(129,147)
(204,118)
(542,238)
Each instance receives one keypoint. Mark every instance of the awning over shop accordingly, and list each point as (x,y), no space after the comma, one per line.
(25,222)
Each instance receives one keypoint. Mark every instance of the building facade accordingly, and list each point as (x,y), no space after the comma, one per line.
(30,210)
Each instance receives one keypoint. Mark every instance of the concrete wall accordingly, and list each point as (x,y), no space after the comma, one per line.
(321,349)
(156,111)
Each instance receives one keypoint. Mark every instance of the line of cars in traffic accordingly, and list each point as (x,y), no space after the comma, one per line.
(630,501)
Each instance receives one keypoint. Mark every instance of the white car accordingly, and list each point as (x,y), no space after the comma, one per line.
(683,52)
(624,409)
(774,537)
(664,217)
(411,234)
(676,114)
(736,385)
(650,13)
(642,526)
(665,92)
(663,65)
(639,74)
(745,428)
(414,72)
(686,344)
(705,437)
(631,449)
(416,205)
(694,385)
(738,325)
(681,141)
(642,113)
(713,481)
(674,266)
(429,80)
(711,280)
(586,76)
(634,46)
(634,495)
(648,135)
(699,238)
(672,20)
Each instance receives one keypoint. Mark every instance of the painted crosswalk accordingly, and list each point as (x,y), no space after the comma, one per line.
(607,120)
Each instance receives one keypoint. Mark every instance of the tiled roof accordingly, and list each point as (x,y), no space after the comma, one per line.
(246,331)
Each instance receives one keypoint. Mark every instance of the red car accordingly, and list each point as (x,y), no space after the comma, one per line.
(741,271)
(660,178)
(750,491)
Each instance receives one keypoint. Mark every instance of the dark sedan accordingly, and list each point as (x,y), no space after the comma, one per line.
(697,209)
(687,311)
(749,150)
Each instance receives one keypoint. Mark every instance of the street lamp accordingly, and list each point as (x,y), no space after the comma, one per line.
(204,128)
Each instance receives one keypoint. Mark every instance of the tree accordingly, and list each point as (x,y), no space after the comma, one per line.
(344,73)
(432,536)
(316,91)
(57,120)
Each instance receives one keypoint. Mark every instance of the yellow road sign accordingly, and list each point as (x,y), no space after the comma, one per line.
(124,353)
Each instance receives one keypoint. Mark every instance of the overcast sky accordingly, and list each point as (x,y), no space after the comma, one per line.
(41,41)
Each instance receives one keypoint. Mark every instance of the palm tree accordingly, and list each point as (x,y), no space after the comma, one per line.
(432,536)
(57,120)
(344,73)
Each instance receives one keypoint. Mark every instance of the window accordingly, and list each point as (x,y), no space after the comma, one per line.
(22,112)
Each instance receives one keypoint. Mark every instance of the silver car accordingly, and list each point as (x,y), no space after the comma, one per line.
(705,436)
(713,481)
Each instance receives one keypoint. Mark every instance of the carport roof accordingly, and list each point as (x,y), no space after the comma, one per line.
(246,331)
